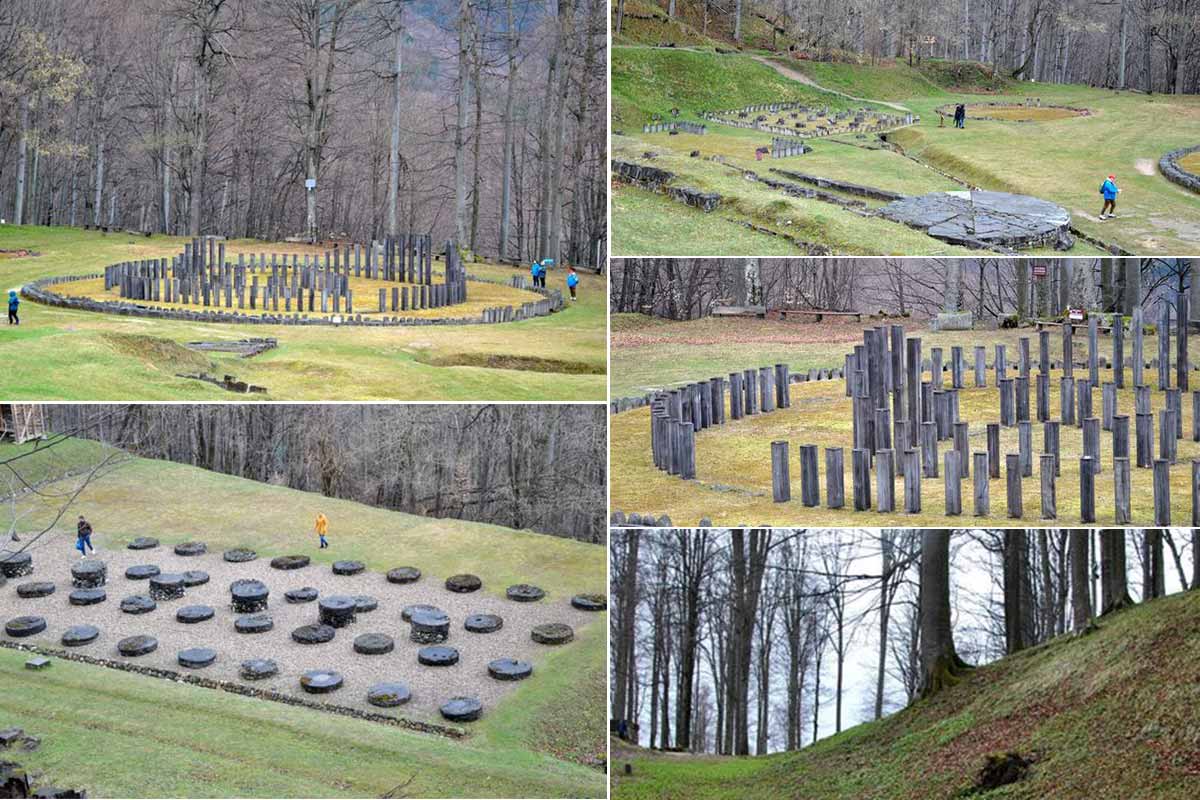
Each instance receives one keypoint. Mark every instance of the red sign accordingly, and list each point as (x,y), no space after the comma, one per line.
(1076,314)
(1039,270)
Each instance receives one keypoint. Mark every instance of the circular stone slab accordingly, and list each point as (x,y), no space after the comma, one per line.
(253,623)
(589,602)
(553,633)
(87,597)
(407,612)
(166,586)
(388,695)
(463,583)
(191,549)
(305,594)
(138,604)
(79,635)
(320,681)
(249,595)
(373,644)
(437,656)
(35,589)
(196,657)
(190,615)
(24,626)
(195,577)
(483,623)
(348,567)
(239,555)
(462,709)
(143,543)
(133,646)
(313,634)
(971,217)
(88,574)
(402,575)
(429,627)
(255,669)
(16,565)
(509,669)
(524,593)
(142,572)
(290,562)
(364,603)
(336,610)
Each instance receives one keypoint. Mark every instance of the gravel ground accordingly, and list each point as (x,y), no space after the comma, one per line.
(430,686)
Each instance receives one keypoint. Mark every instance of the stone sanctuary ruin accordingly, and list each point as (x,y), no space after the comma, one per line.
(289,630)
(800,120)
(983,219)
(907,426)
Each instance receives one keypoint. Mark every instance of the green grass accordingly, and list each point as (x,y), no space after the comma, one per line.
(61,354)
(162,739)
(1111,714)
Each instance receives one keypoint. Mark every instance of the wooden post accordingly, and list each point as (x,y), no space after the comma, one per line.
(1144,434)
(982,485)
(1001,365)
(913,389)
(688,439)
(1023,357)
(956,367)
(1050,443)
(1164,345)
(765,390)
(1181,337)
(861,475)
(1139,355)
(962,445)
(1067,397)
(1049,488)
(1195,494)
(1120,436)
(935,368)
(1008,411)
(883,429)
(1121,491)
(897,373)
(1025,447)
(1021,386)
(783,392)
(751,385)
(1141,399)
(1084,406)
(735,395)
(885,477)
(1044,352)
(1091,441)
(1175,405)
(1093,349)
(1162,493)
(980,366)
(929,449)
(1196,415)
(835,490)
(1043,397)
(993,449)
(717,387)
(1012,469)
(1166,435)
(1118,333)
(810,488)
(1068,343)
(706,411)
(1108,404)
(1087,490)
(781,480)
(912,481)
(953,484)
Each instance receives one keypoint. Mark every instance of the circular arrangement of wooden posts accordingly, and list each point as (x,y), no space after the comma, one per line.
(509,669)
(463,583)
(403,575)
(87,597)
(290,562)
(134,646)
(143,543)
(524,593)
(20,627)
(188,549)
(388,694)
(483,623)
(35,589)
(321,681)
(461,709)
(552,633)
(138,604)
(80,635)
(336,611)
(589,602)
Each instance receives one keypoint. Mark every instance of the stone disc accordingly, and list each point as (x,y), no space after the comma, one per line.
(589,602)
(388,695)
(407,612)
(239,555)
(305,594)
(196,657)
(509,669)
(24,626)
(35,589)
(87,597)
(524,593)
(321,681)
(143,543)
(191,549)
(133,646)
(253,623)
(403,575)
(462,709)
(195,577)
(92,571)
(167,582)
(248,591)
(463,583)
(364,603)
(138,604)
(553,633)
(290,562)
(142,572)
(79,635)
(314,634)
(439,656)
(373,644)
(16,565)
(483,623)
(255,669)
(348,567)
(190,615)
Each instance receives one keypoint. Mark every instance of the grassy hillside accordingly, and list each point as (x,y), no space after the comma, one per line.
(1110,715)
(58,354)
(162,739)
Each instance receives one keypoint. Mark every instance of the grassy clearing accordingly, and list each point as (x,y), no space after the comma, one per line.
(1106,715)
(59,354)
(532,743)
(1191,162)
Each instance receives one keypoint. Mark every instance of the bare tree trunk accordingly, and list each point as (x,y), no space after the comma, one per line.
(1081,606)
(1114,583)
(465,37)
(1015,569)
(393,221)
(940,664)
(22,161)
(99,188)
(506,178)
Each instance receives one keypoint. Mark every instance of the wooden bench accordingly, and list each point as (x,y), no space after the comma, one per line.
(818,313)
(739,311)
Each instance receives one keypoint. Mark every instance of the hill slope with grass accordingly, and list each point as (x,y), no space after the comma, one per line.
(162,739)
(1112,714)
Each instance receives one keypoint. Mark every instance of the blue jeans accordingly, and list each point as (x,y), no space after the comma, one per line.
(82,544)
(323,542)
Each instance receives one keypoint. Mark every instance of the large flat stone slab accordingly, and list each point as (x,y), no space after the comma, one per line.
(978,218)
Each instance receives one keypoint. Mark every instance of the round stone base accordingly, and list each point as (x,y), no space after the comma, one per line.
(374,644)
(256,669)
(589,602)
(313,634)
(462,709)
(87,597)
(248,596)
(142,572)
(19,627)
(364,604)
(138,604)
(35,589)
(463,583)
(337,611)
(348,567)
(509,669)
(17,565)
(290,562)
(320,681)
(196,657)
(253,623)
(88,574)
(552,633)
(143,543)
(403,575)
(429,627)
(167,586)
(437,656)
(190,615)
(194,577)
(79,635)
(388,695)
(305,594)
(524,593)
(483,623)
(191,549)
(239,555)
(134,646)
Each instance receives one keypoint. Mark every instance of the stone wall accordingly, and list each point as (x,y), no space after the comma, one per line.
(1168,165)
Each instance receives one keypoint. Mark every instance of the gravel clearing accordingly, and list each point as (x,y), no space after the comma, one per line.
(430,686)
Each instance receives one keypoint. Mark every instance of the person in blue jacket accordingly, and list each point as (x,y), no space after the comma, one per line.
(533,271)
(14,303)
(1110,191)
(572,282)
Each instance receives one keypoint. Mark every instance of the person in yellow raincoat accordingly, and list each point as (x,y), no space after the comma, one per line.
(322,528)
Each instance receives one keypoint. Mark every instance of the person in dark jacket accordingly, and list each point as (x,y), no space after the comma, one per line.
(83,537)
(14,303)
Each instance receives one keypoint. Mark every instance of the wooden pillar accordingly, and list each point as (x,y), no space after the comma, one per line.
(1068,343)
(1091,441)
(1049,489)
(765,390)
(962,445)
(1012,470)
(912,481)
(1044,352)
(913,389)
(1023,357)
(935,368)
(956,367)
(1164,345)
(1121,491)
(1067,399)
(860,473)
(1050,443)
(810,488)
(735,395)
(1025,447)
(1175,405)
(835,490)
(1166,435)
(982,485)
(781,479)
(1181,339)
(783,390)
(1043,397)
(1093,349)
(953,484)
(1118,335)
(1162,493)
(1021,387)
(1139,354)
(1144,434)
(1120,436)
(929,449)
(1195,494)
(1108,405)
(980,366)
(993,449)
(1008,411)
(1084,406)
(885,477)
(1087,490)
(1196,412)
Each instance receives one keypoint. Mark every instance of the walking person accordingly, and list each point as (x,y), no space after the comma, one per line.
(14,303)
(83,537)
(1109,190)
(572,281)
(322,527)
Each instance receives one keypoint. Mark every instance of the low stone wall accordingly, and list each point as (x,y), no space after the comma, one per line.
(842,186)
(656,180)
(947,110)
(1168,165)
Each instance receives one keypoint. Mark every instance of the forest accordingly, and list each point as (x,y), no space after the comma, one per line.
(749,641)
(540,467)
(1149,45)
(991,288)
(480,120)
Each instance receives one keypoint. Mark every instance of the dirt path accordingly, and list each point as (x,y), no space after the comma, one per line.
(800,77)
